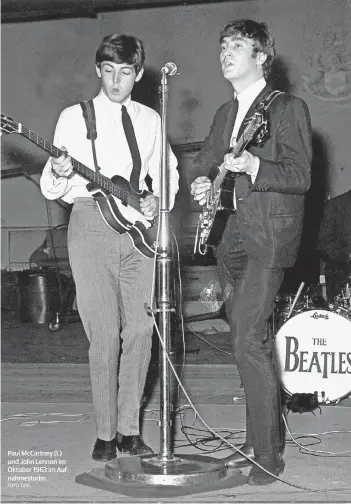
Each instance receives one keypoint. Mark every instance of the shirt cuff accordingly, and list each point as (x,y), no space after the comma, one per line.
(53,173)
(257,167)
(52,187)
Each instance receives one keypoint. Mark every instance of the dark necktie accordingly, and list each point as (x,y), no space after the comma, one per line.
(133,147)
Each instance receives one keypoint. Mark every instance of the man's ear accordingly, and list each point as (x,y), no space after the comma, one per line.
(261,57)
(139,75)
(98,71)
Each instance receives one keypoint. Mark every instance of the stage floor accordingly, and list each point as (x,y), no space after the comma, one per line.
(46,406)
(68,431)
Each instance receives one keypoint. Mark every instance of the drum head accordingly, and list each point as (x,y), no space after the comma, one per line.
(314,354)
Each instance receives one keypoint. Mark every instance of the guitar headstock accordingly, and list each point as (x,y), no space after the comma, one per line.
(8,125)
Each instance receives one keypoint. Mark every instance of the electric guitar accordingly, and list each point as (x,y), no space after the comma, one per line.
(219,200)
(119,205)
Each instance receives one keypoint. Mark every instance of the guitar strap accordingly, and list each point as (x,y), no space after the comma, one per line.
(242,181)
(267,99)
(90,121)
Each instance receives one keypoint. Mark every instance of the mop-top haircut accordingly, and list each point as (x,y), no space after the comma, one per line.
(258,32)
(121,49)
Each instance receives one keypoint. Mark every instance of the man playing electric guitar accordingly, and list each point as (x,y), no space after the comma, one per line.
(262,237)
(113,279)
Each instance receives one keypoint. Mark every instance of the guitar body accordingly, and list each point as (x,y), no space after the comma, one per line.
(225,209)
(227,190)
(215,214)
(122,217)
(217,228)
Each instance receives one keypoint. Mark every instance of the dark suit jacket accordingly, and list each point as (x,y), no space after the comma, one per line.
(269,212)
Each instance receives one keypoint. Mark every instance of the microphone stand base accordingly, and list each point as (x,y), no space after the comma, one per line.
(151,476)
(177,470)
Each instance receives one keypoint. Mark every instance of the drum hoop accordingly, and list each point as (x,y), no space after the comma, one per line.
(343,312)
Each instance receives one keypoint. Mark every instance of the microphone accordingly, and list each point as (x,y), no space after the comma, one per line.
(169,69)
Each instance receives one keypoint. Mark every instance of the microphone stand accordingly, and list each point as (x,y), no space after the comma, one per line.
(165,470)
(163,279)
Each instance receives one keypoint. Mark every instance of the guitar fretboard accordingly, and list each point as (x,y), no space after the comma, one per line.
(101,180)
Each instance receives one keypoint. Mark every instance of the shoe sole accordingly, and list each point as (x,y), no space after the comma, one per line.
(104,459)
(124,452)
(270,479)
(238,465)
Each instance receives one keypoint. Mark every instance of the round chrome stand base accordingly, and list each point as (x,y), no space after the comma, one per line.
(181,470)
(148,476)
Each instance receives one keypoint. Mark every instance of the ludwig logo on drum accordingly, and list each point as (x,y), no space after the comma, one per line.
(317,315)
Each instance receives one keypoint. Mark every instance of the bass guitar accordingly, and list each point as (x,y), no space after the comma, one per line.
(219,200)
(119,205)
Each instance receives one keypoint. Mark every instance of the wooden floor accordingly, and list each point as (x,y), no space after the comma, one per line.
(39,365)
(70,383)
(30,343)
(43,366)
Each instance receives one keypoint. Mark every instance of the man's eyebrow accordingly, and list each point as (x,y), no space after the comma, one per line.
(233,38)
(123,65)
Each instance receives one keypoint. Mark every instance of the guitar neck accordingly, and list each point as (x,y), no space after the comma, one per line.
(87,173)
(237,151)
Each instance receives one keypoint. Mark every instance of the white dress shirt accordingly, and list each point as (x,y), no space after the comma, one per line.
(112,150)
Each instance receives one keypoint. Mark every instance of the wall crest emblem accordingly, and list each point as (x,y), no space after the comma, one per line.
(330,76)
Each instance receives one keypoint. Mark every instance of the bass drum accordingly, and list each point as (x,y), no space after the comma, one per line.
(313,351)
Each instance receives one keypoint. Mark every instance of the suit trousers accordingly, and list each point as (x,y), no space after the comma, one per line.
(253,288)
(113,286)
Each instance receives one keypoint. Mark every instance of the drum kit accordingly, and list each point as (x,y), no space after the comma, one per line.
(313,343)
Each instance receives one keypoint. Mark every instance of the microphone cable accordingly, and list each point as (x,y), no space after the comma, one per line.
(216,434)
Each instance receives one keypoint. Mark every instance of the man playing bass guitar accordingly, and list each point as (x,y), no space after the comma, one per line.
(113,278)
(262,236)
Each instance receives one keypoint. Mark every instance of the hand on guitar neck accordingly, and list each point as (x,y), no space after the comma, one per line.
(62,166)
(200,188)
